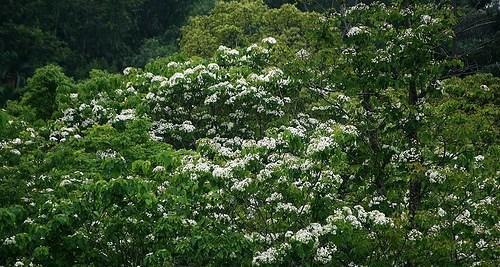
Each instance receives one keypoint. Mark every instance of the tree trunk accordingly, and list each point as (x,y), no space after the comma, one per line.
(415,185)
(373,140)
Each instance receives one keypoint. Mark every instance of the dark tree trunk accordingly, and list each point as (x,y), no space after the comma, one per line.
(374,143)
(415,186)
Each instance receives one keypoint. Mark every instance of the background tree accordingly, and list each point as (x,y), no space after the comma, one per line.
(81,35)
(241,23)
(41,90)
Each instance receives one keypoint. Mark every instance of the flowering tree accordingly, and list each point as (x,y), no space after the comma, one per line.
(353,153)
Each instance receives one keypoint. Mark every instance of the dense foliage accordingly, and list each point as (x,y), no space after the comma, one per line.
(241,23)
(340,140)
(82,35)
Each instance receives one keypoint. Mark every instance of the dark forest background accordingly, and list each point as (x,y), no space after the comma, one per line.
(80,35)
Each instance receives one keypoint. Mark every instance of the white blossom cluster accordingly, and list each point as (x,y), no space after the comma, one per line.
(10,241)
(312,233)
(494,4)
(324,254)
(356,30)
(435,176)
(108,154)
(270,256)
(229,104)
(360,217)
(125,115)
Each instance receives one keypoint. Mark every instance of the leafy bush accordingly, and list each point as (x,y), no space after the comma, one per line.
(41,90)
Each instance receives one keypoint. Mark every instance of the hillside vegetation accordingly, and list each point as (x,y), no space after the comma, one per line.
(275,137)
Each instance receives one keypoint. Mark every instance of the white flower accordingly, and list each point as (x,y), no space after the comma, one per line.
(485,88)
(464,217)
(297,131)
(175,78)
(252,47)
(269,40)
(357,7)
(188,71)
(320,144)
(173,64)
(274,197)
(289,207)
(434,176)
(350,129)
(481,243)
(324,254)
(189,222)
(202,167)
(241,185)
(228,51)
(127,71)
(158,78)
(354,221)
(10,241)
(213,67)
(441,212)
(266,257)
(65,182)
(269,143)
(150,96)
(187,127)
(303,236)
(479,158)
(426,19)
(303,54)
(221,172)
(159,169)
(414,234)
(356,30)
(108,154)
(126,114)
(211,99)
(343,98)
(378,217)
(409,155)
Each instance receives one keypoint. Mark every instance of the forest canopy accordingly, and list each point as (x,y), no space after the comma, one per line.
(249,133)
(83,35)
